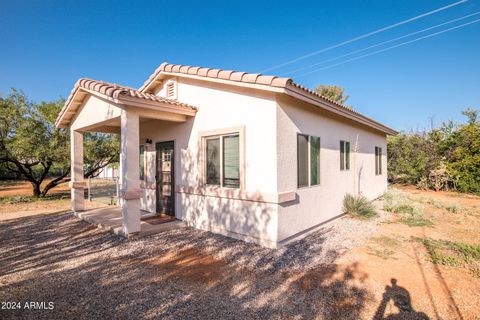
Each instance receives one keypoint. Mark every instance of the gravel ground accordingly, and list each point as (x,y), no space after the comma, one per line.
(92,274)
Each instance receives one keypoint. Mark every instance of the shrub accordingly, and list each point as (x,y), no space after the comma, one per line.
(443,158)
(358,206)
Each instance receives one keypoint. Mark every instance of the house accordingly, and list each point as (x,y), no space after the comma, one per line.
(250,156)
(110,171)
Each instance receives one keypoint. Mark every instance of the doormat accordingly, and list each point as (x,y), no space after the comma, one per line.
(159,219)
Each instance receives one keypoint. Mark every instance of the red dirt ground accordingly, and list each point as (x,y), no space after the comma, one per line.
(389,265)
(441,292)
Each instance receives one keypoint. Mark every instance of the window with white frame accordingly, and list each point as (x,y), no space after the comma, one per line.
(378,161)
(222,163)
(308,160)
(344,155)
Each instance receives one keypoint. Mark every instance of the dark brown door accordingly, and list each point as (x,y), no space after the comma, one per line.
(165,178)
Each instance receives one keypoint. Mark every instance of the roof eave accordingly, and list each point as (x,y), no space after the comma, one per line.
(123,101)
(152,79)
(65,109)
(298,93)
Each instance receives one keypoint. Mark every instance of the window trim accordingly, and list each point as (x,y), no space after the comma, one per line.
(345,155)
(309,161)
(203,137)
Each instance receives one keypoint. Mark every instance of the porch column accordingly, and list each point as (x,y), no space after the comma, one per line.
(129,172)
(77,183)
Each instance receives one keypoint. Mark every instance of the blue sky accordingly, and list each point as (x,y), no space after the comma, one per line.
(47,45)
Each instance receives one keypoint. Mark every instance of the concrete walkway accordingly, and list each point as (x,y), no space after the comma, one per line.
(110,218)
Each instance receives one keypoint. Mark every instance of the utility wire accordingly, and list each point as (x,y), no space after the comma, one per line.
(381,43)
(364,36)
(390,48)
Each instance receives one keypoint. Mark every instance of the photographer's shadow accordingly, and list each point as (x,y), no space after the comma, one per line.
(402,300)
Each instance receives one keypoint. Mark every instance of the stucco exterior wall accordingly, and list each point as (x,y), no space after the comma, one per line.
(268,124)
(220,107)
(317,204)
(95,111)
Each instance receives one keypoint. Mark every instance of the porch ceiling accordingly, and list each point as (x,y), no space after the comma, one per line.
(114,125)
(147,105)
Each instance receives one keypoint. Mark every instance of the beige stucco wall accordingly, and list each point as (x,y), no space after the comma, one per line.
(221,107)
(320,203)
(270,125)
(94,112)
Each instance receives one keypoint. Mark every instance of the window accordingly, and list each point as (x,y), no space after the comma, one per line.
(344,155)
(223,160)
(314,161)
(231,161)
(378,161)
(141,161)
(308,160)
(302,162)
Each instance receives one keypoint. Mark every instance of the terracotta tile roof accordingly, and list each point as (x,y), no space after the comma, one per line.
(116,91)
(259,79)
(237,76)
(254,78)
(315,93)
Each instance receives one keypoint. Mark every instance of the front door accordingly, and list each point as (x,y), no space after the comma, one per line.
(165,178)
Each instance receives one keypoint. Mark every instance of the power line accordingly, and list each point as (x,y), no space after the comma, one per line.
(364,36)
(382,43)
(390,48)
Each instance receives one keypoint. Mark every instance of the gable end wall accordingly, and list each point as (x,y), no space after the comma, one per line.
(317,204)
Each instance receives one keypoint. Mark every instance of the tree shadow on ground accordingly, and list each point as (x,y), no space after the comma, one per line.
(185,273)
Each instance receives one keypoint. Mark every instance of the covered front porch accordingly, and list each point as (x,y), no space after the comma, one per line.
(96,106)
(111,218)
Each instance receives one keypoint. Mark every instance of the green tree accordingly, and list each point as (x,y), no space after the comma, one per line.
(411,157)
(33,148)
(463,154)
(471,114)
(334,93)
(443,158)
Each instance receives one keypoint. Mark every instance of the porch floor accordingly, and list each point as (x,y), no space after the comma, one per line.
(110,218)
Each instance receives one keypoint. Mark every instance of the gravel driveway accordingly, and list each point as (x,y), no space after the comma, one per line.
(92,274)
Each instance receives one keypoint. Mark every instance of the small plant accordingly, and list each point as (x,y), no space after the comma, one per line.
(449,206)
(384,253)
(450,253)
(17,199)
(383,247)
(396,201)
(29,199)
(416,221)
(453,208)
(469,252)
(358,206)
